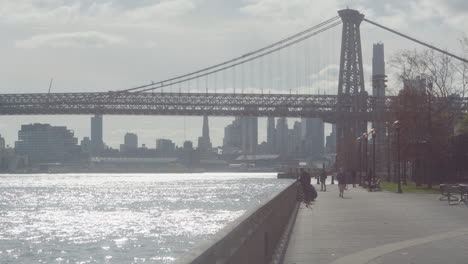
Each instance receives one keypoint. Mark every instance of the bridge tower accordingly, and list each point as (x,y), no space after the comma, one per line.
(351,92)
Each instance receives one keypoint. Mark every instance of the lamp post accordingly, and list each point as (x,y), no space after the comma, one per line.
(359,140)
(429,140)
(387,124)
(374,135)
(397,127)
(365,136)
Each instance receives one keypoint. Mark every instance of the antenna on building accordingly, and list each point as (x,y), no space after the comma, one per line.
(50,84)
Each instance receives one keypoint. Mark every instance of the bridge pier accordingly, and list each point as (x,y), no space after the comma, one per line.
(351,91)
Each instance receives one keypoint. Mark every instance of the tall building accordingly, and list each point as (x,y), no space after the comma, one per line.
(313,135)
(331,141)
(165,146)
(249,134)
(130,142)
(232,134)
(271,131)
(294,139)
(378,90)
(46,143)
(282,133)
(2,142)
(187,157)
(242,134)
(378,70)
(97,143)
(204,143)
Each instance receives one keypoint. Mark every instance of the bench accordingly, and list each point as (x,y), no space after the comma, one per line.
(376,185)
(447,193)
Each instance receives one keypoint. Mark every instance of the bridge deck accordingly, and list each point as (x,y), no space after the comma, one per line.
(328,107)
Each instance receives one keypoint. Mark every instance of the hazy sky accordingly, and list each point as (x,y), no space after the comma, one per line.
(103,45)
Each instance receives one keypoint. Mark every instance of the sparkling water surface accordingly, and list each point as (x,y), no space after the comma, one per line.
(121,218)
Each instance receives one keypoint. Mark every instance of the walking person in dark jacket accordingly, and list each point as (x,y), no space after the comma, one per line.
(353,178)
(323,179)
(341,182)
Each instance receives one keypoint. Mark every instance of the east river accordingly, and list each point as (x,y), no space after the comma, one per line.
(121,218)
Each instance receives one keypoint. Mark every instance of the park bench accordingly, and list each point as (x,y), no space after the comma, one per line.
(448,192)
(376,185)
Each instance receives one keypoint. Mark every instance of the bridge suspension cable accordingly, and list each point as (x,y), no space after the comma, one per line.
(233,65)
(286,42)
(417,41)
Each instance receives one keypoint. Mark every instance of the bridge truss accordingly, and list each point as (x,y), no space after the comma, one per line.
(198,104)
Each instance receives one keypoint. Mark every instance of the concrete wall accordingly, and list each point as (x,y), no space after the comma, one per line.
(251,239)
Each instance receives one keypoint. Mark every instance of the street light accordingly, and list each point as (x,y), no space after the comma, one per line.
(374,135)
(388,155)
(429,140)
(359,140)
(397,127)
(365,136)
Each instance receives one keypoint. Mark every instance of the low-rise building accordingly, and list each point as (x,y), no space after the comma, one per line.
(45,143)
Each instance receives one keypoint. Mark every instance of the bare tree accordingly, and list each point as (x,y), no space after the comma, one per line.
(462,68)
(425,105)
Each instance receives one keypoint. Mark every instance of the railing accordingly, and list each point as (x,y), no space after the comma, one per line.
(251,239)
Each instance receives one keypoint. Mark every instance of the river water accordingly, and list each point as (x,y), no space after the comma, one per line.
(120,218)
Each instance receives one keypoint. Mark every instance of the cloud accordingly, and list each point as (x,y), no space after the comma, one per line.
(26,12)
(57,13)
(91,39)
(451,12)
(291,10)
(163,10)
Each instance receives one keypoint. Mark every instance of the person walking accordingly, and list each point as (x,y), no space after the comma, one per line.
(323,179)
(341,182)
(369,179)
(353,178)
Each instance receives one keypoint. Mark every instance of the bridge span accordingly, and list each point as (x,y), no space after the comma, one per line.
(189,104)
(199,104)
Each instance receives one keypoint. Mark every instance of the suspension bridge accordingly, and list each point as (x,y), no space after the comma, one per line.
(243,86)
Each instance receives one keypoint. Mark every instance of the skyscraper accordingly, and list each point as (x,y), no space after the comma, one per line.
(378,90)
(378,61)
(282,132)
(2,142)
(204,143)
(294,139)
(97,144)
(271,133)
(331,141)
(249,134)
(232,134)
(313,136)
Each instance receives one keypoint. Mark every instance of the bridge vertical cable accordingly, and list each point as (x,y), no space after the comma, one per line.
(247,63)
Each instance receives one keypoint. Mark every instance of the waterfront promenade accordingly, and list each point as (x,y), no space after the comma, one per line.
(379,227)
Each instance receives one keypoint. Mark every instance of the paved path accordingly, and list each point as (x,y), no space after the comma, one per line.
(379,228)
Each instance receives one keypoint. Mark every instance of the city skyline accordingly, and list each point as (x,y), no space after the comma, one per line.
(304,136)
(35,34)
(149,140)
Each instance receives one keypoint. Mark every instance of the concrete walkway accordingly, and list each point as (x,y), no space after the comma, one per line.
(379,227)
